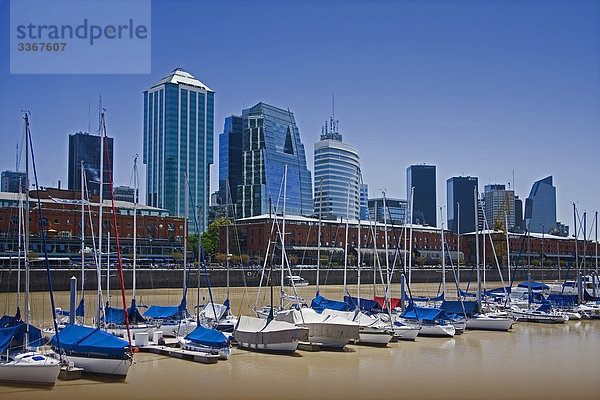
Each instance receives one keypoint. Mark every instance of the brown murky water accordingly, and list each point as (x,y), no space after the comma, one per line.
(533,361)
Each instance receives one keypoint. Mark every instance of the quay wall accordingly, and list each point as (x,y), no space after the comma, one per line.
(173,278)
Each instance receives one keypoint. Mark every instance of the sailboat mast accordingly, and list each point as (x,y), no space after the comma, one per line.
(596,220)
(477,247)
(507,246)
(374,234)
(443,252)
(412,195)
(227,230)
(82,230)
(283,232)
(20,243)
(185,230)
(135,201)
(346,242)
(458,246)
(387,256)
(319,231)
(100,220)
(107,267)
(26,216)
(358,262)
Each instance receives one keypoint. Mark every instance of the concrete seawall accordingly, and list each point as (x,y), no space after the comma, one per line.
(173,278)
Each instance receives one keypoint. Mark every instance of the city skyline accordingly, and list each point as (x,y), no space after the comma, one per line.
(528,102)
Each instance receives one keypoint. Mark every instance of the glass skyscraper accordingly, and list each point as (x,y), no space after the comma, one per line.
(178,139)
(498,202)
(540,206)
(422,178)
(270,141)
(13,181)
(230,157)
(364,202)
(337,167)
(85,147)
(394,213)
(461,190)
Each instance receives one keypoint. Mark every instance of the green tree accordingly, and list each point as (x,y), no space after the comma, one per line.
(210,238)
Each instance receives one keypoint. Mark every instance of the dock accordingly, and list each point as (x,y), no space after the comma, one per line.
(180,353)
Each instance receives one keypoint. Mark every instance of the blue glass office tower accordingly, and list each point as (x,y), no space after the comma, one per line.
(364,202)
(540,206)
(422,178)
(271,140)
(178,139)
(230,157)
(461,190)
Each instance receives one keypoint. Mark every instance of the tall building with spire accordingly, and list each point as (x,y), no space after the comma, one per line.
(178,140)
(271,140)
(337,180)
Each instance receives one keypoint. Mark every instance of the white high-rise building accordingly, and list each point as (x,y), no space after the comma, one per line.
(337,167)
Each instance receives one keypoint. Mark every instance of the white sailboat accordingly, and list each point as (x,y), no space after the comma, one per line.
(487,322)
(331,331)
(24,365)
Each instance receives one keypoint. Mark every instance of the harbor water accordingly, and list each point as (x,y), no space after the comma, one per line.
(532,361)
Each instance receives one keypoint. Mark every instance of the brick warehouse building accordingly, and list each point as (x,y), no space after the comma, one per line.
(301,242)
(159,235)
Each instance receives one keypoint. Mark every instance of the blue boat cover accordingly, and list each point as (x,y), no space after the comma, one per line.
(85,339)
(7,334)
(455,307)
(207,337)
(365,304)
(534,285)
(497,291)
(161,312)
(7,321)
(467,294)
(423,313)
(80,311)
(562,299)
(116,315)
(439,298)
(320,303)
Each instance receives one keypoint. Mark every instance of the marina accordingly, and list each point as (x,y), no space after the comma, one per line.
(559,361)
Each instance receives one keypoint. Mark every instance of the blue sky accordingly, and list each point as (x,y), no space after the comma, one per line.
(476,88)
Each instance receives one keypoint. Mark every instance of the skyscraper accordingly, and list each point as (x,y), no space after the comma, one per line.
(422,178)
(460,192)
(85,147)
(230,157)
(364,202)
(337,167)
(499,204)
(178,140)
(271,140)
(519,223)
(540,206)
(12,181)
(394,212)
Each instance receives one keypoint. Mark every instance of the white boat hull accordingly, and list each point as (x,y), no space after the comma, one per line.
(406,332)
(376,337)
(174,329)
(104,366)
(437,330)
(26,369)
(133,330)
(540,317)
(490,323)
(275,347)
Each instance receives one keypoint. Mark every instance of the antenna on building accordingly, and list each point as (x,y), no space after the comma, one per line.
(332,106)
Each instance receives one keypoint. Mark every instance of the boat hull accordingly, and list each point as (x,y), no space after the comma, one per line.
(406,332)
(25,369)
(222,352)
(437,330)
(274,347)
(374,337)
(490,324)
(103,366)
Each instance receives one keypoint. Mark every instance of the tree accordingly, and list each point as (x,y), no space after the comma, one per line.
(210,238)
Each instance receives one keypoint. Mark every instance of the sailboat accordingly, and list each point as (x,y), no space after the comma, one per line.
(95,350)
(268,334)
(219,315)
(18,362)
(483,321)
